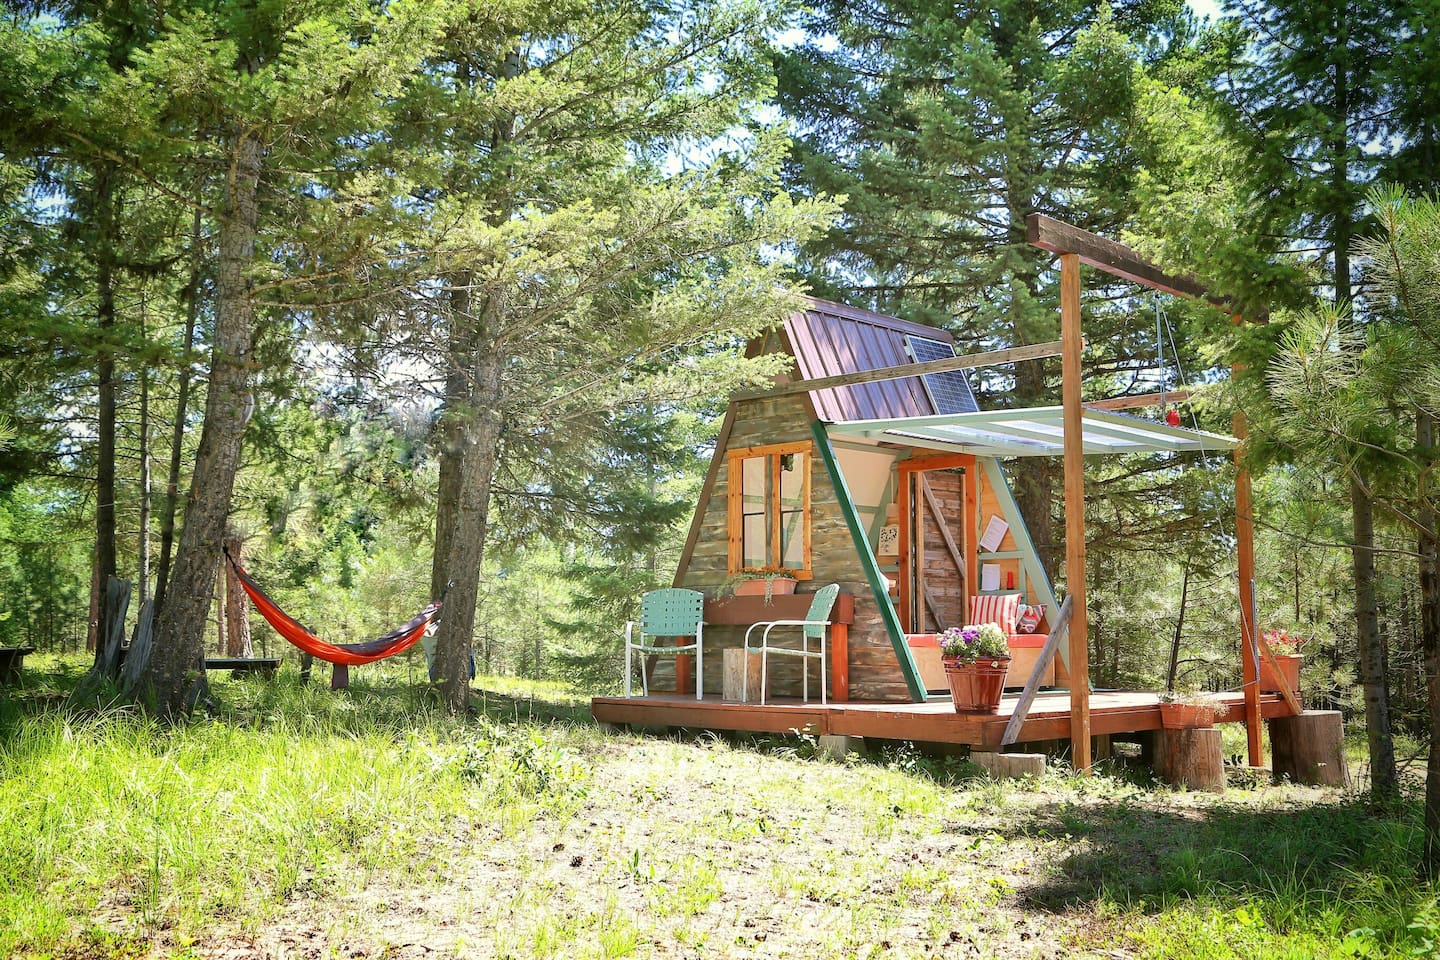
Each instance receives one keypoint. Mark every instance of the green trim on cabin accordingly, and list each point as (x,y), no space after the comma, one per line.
(870,565)
(1029,556)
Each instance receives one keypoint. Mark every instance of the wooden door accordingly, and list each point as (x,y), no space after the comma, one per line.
(935,504)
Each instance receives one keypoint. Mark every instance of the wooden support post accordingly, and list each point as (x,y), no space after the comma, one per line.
(1192,759)
(840,662)
(1032,686)
(682,667)
(1245,557)
(1075,509)
(1309,748)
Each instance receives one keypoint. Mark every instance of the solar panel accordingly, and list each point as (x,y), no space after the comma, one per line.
(949,392)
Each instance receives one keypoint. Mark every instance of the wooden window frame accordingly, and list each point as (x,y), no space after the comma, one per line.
(735,504)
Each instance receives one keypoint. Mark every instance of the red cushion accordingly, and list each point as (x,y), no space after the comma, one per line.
(1028,641)
(1004,610)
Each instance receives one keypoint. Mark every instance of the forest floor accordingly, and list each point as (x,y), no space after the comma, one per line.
(297,823)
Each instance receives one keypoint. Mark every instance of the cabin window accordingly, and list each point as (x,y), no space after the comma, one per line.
(770,507)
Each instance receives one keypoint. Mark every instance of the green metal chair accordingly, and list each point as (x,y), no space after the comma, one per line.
(817,618)
(664,614)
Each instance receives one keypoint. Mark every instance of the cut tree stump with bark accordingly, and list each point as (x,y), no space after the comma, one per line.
(1192,758)
(1310,748)
(1009,766)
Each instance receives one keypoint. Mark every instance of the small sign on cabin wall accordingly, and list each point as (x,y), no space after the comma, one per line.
(995,532)
(889,542)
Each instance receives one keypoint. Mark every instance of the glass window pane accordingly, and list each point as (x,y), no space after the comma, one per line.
(753,541)
(792,539)
(753,482)
(792,481)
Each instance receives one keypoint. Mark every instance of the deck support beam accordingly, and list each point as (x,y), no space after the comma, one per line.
(1071,346)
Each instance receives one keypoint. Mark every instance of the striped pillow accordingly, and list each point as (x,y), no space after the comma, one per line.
(1004,610)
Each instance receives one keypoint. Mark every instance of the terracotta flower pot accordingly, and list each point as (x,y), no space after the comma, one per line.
(1289,672)
(977,687)
(756,588)
(1187,716)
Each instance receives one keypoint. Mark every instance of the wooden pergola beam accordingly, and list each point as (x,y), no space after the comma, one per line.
(1139,400)
(1113,258)
(990,358)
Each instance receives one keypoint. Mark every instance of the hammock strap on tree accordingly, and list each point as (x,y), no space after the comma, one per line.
(349,654)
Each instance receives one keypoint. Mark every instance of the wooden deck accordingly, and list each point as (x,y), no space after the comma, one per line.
(1111,712)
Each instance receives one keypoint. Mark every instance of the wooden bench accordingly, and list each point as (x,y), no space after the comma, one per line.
(265,666)
(11,660)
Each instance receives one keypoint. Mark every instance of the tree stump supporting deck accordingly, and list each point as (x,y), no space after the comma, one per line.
(1192,758)
(1309,748)
(240,666)
(12,659)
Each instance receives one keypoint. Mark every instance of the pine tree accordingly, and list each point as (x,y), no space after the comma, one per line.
(946,125)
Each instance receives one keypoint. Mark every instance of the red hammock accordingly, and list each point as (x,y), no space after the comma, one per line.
(347,654)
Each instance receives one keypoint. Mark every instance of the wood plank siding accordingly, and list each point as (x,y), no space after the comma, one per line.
(874,672)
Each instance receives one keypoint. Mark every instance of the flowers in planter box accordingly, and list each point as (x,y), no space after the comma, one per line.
(1283,643)
(970,643)
(768,573)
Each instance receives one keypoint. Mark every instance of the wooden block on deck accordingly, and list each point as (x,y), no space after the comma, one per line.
(1309,748)
(1192,759)
(1009,766)
(734,683)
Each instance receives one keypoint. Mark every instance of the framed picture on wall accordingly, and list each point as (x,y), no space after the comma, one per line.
(889,542)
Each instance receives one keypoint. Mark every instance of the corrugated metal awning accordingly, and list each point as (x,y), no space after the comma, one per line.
(1033,432)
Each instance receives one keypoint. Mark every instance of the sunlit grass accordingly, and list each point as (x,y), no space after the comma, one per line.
(369,818)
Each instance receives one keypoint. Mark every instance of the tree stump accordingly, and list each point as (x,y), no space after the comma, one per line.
(734,665)
(1008,766)
(1309,748)
(1192,758)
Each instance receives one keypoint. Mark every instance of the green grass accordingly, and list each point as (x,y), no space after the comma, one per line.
(304,822)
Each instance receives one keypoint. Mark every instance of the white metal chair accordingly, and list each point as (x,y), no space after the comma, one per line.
(811,628)
(664,614)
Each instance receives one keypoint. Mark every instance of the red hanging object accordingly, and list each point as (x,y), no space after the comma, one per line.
(1172,417)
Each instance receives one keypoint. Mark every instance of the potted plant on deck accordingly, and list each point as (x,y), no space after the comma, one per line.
(1286,648)
(763,581)
(1190,709)
(976,660)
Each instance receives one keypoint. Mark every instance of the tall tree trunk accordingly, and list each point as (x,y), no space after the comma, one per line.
(1383,782)
(478,424)
(182,410)
(105,220)
(452,457)
(237,606)
(142,573)
(1172,675)
(179,632)
(1372,654)
(1429,550)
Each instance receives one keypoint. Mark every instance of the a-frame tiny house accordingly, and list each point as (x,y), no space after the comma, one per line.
(778,492)
(872,466)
